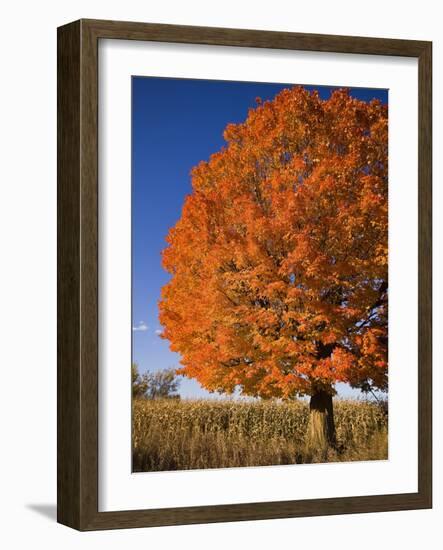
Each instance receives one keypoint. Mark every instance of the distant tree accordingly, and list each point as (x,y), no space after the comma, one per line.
(140,383)
(162,384)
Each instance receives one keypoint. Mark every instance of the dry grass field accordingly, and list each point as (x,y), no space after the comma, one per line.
(170,434)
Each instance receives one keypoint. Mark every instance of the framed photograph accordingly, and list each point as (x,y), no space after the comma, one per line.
(244,275)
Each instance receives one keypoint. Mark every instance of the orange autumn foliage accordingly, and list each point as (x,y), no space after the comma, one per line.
(279,262)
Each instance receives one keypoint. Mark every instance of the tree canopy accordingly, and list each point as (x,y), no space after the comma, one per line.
(279,261)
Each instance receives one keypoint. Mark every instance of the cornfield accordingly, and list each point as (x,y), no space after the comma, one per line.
(170,434)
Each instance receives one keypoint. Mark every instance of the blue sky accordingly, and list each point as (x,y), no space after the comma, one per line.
(176,123)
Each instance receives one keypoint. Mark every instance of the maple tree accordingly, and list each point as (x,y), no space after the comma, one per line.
(279,262)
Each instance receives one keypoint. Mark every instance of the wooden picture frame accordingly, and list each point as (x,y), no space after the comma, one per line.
(77,458)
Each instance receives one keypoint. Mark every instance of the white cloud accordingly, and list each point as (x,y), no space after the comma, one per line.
(158,332)
(141,327)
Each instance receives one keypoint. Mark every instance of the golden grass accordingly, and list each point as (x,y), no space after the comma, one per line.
(181,435)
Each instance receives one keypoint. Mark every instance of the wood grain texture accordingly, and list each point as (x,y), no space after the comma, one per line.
(77,174)
(425,273)
(254,38)
(69,402)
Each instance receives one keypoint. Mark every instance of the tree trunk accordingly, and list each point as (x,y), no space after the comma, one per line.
(321,428)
